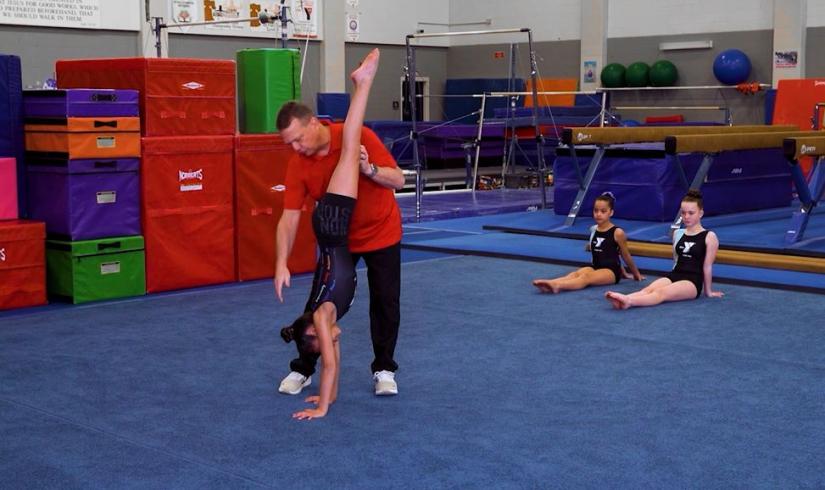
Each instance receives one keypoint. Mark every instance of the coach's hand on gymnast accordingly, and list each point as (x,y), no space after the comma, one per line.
(281,279)
(364,162)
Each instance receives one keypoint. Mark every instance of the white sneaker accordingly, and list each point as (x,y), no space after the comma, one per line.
(385,383)
(294,383)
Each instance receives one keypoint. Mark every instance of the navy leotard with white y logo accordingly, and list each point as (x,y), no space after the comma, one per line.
(605,251)
(690,252)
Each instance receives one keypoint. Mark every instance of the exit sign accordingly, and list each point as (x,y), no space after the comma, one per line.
(498,54)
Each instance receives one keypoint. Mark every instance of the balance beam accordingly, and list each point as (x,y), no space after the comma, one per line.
(810,191)
(712,144)
(615,136)
(804,146)
(737,257)
(602,137)
(715,143)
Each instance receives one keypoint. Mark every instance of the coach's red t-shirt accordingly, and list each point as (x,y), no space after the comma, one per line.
(376,221)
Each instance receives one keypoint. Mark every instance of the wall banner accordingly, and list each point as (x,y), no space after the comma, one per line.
(51,13)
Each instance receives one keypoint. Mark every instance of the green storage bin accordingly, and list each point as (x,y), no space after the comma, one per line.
(266,79)
(91,270)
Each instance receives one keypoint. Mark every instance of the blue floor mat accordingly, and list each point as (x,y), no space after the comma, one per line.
(764,230)
(463,204)
(500,387)
(572,252)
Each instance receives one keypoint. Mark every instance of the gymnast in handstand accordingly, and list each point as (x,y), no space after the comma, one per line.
(694,250)
(333,287)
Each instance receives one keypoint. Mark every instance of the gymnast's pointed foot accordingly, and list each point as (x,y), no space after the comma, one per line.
(365,73)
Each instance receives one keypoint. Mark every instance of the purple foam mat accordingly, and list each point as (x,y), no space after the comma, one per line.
(80,102)
(86,199)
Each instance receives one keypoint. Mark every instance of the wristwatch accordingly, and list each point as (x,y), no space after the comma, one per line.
(373,170)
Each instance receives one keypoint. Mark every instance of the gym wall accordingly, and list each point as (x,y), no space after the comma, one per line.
(430,62)
(40,47)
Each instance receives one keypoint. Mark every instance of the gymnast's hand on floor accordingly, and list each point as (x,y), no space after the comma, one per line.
(715,294)
(315,399)
(309,414)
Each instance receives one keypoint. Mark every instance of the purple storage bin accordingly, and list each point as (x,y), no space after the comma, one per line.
(80,102)
(85,199)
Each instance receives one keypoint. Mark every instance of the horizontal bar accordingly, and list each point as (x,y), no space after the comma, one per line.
(264,18)
(468,33)
(681,87)
(560,92)
(671,108)
(714,143)
(485,22)
(445,96)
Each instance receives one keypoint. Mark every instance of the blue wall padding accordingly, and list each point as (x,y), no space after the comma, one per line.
(647,186)
(770,102)
(11,120)
(456,107)
(333,104)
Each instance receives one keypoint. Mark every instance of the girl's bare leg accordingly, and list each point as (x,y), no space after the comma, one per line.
(344,179)
(660,291)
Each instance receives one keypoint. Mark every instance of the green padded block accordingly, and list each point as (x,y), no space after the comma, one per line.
(91,270)
(266,79)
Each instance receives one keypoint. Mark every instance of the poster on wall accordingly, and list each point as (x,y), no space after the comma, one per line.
(302,15)
(589,71)
(52,13)
(353,27)
(785,59)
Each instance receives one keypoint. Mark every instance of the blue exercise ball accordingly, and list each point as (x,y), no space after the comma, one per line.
(731,67)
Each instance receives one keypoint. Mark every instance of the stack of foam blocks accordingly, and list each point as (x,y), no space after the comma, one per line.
(82,161)
(266,79)
(22,242)
(187,111)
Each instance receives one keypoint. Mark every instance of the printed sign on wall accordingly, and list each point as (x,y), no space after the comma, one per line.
(53,13)
(302,14)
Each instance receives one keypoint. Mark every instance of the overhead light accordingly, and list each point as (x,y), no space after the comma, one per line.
(675,46)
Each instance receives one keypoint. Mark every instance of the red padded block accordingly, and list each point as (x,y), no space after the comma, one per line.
(188,247)
(177,95)
(181,172)
(22,264)
(674,118)
(186,199)
(8,188)
(260,171)
(795,102)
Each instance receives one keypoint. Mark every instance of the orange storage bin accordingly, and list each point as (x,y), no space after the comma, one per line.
(260,172)
(85,137)
(177,95)
(22,264)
